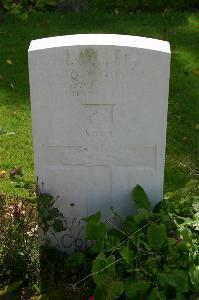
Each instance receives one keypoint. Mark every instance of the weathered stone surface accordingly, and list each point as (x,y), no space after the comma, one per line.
(99,109)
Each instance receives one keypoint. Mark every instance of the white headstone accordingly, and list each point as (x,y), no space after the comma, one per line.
(99,112)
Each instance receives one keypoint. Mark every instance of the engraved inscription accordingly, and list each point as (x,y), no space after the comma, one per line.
(96,154)
(99,118)
(82,84)
(66,155)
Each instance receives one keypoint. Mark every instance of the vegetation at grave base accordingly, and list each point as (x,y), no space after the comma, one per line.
(19,253)
(153,254)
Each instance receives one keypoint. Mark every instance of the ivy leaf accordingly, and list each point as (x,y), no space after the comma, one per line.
(194,276)
(136,288)
(140,198)
(103,268)
(154,295)
(157,236)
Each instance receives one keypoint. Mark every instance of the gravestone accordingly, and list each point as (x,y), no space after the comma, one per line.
(99,114)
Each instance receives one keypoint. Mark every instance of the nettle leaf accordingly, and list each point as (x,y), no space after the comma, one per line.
(178,279)
(157,236)
(74,260)
(154,295)
(194,276)
(136,288)
(140,198)
(127,254)
(103,268)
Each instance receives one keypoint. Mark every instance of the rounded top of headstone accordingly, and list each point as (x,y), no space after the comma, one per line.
(100,40)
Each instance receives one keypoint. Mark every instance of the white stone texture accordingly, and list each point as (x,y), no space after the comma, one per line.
(99,114)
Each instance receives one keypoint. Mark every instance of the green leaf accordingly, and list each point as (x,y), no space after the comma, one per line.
(180,296)
(140,198)
(162,280)
(194,276)
(10,288)
(178,279)
(142,216)
(154,295)
(127,254)
(95,230)
(45,200)
(97,247)
(136,288)
(75,259)
(58,225)
(103,268)
(112,290)
(157,236)
(130,225)
(186,234)
(115,289)
(95,218)
(100,293)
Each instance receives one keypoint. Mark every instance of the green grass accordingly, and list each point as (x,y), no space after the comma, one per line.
(180,29)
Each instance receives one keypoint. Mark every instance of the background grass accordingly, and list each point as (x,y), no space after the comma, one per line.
(180,29)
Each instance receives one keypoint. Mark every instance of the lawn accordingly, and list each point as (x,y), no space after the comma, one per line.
(180,29)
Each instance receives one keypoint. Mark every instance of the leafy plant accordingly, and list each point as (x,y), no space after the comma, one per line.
(151,255)
(21,8)
(19,253)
